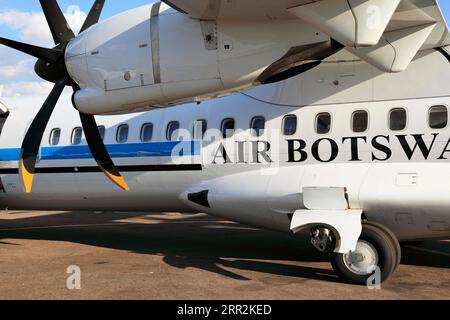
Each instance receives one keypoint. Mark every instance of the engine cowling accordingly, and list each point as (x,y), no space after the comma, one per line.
(155,56)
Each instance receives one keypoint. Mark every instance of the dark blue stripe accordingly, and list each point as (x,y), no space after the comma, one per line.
(138,150)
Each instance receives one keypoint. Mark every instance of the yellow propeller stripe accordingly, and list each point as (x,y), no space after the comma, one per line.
(27,177)
(118,180)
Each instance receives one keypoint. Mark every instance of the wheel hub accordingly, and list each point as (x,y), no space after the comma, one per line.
(363,260)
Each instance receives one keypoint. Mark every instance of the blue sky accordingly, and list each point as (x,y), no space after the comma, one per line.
(445,5)
(112,6)
(23,20)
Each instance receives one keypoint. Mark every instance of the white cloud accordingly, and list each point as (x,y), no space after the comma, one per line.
(19,70)
(20,89)
(17,77)
(75,18)
(33,28)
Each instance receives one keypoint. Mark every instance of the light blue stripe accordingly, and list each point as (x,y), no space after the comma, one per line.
(138,150)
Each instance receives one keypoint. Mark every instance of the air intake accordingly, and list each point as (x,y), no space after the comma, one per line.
(200,198)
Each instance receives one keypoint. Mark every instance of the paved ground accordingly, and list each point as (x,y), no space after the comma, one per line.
(172,256)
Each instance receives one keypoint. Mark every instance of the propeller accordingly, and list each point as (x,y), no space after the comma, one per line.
(51,67)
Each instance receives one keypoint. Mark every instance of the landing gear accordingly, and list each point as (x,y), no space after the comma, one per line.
(377,248)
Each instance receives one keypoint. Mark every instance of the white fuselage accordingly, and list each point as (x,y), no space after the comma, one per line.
(400,178)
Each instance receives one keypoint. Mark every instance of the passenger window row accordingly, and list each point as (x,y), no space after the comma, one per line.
(76,136)
(397,121)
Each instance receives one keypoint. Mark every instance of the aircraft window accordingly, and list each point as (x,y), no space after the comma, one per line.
(290,125)
(55,135)
(102,131)
(122,133)
(360,121)
(257,126)
(438,117)
(323,123)
(147,132)
(397,119)
(200,128)
(77,135)
(228,127)
(172,127)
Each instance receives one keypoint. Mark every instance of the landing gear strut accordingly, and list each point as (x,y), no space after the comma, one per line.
(377,249)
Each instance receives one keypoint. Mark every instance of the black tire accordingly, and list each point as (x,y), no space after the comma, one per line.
(394,240)
(385,249)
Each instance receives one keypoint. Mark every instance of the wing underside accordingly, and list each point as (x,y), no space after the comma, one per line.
(385,33)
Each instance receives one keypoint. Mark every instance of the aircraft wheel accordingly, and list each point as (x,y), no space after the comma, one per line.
(375,248)
(398,249)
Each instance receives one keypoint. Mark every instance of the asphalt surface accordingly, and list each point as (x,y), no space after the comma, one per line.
(172,256)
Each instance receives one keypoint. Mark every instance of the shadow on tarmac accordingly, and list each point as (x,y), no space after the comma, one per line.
(195,241)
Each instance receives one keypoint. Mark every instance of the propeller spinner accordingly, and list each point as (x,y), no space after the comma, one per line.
(51,67)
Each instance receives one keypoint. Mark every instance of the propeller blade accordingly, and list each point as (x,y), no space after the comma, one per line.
(61,31)
(99,151)
(33,138)
(94,15)
(48,55)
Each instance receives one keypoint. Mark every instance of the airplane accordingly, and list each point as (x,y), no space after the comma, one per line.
(328,116)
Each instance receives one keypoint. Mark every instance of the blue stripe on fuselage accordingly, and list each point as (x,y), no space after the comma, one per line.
(137,150)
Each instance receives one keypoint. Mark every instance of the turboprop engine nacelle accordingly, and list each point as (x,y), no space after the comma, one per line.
(155,56)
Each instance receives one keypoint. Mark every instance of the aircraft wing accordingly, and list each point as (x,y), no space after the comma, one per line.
(385,33)
(236,9)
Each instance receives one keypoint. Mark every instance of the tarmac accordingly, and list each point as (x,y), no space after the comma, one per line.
(120,255)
